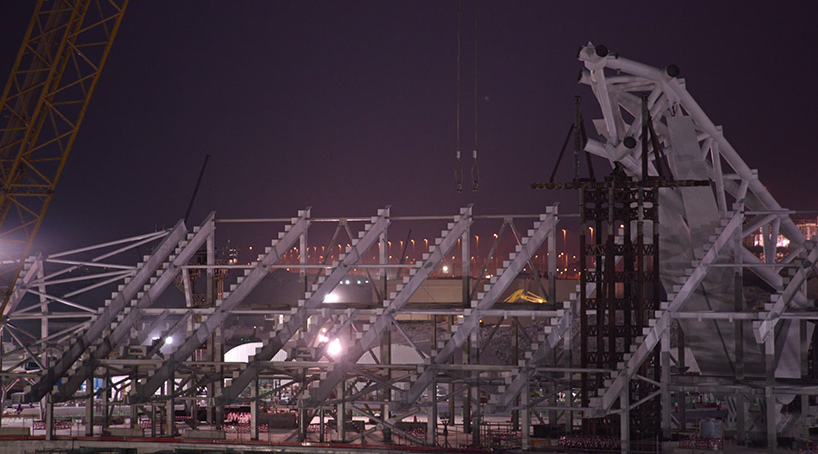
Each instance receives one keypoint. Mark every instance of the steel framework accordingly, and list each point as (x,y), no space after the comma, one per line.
(70,345)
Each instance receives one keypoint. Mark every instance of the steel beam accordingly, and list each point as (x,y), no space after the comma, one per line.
(495,289)
(369,236)
(108,315)
(767,326)
(417,276)
(232,299)
(122,330)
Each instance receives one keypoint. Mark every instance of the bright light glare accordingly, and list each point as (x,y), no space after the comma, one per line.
(331,298)
(334,348)
(445,269)
(169,340)
(322,338)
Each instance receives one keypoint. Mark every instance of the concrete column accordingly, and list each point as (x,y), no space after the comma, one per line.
(170,411)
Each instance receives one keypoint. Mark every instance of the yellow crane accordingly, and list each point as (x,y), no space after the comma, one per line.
(524,295)
(41,109)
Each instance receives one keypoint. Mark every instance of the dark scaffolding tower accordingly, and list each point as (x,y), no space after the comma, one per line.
(619,273)
(619,286)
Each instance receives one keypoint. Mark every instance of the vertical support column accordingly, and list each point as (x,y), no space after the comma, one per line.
(386,392)
(170,413)
(321,435)
(515,358)
(213,388)
(153,420)
(340,412)
(666,406)
(89,407)
(302,420)
(551,253)
(134,408)
(254,407)
(449,323)
(47,402)
(804,376)
(106,401)
(431,424)
(741,433)
(470,414)
(467,398)
(49,417)
(625,419)
(769,396)
(525,413)
(431,415)
(681,398)
(302,260)
(475,345)
(568,349)
(386,337)
(211,271)
(218,356)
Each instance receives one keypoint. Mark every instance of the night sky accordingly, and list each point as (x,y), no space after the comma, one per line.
(350,106)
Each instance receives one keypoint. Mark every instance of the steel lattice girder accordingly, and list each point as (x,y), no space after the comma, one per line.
(109,314)
(52,80)
(519,260)
(384,320)
(252,277)
(354,253)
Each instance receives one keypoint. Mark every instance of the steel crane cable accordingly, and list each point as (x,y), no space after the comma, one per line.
(458,169)
(475,167)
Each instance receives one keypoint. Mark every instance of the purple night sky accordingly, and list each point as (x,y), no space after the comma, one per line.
(350,106)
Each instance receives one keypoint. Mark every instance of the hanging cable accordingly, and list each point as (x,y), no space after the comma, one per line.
(475,167)
(458,169)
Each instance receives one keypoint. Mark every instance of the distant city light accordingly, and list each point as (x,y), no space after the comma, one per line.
(169,340)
